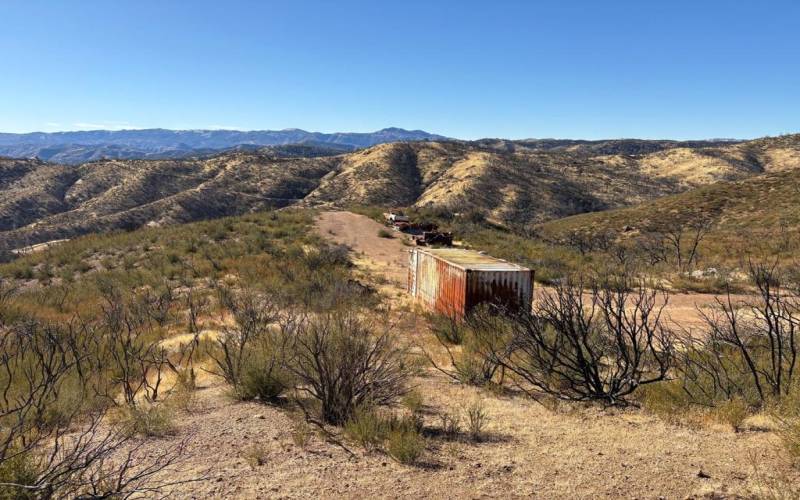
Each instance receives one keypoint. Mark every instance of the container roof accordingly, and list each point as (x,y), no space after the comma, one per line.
(472,260)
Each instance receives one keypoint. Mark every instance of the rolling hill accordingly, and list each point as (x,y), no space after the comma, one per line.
(745,217)
(513,183)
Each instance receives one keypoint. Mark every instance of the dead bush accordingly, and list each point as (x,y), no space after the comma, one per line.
(750,351)
(344,362)
(451,425)
(53,439)
(600,340)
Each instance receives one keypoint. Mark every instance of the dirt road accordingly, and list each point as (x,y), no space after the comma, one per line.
(388,256)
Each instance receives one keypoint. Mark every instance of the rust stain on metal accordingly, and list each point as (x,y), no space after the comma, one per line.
(453,281)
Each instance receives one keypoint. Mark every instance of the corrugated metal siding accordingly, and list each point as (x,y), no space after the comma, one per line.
(437,284)
(448,288)
(511,289)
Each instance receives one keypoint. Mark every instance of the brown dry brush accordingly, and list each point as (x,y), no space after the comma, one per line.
(343,361)
(461,341)
(54,441)
(251,355)
(585,343)
(128,347)
(751,347)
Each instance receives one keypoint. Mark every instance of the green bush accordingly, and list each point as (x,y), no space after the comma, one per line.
(373,429)
(787,414)
(151,420)
(264,375)
(666,399)
(383,233)
(413,402)
(367,428)
(732,412)
(22,469)
(406,445)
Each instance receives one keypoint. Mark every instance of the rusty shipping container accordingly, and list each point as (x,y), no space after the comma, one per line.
(453,280)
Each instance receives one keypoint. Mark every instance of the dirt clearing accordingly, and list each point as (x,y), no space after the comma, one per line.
(386,256)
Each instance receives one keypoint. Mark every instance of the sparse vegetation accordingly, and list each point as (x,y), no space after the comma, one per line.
(81,347)
(255,455)
(751,348)
(405,444)
(599,340)
(281,317)
(476,419)
(344,362)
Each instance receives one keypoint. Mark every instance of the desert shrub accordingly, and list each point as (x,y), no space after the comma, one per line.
(751,347)
(406,445)
(367,427)
(301,435)
(344,362)
(413,401)
(53,433)
(251,356)
(450,425)
(255,455)
(447,328)
(372,428)
(666,399)
(182,393)
(600,340)
(129,346)
(790,437)
(472,345)
(786,412)
(383,233)
(732,412)
(716,284)
(327,255)
(151,420)
(476,418)
(264,376)
(23,470)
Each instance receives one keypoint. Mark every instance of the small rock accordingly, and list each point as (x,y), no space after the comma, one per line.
(703,475)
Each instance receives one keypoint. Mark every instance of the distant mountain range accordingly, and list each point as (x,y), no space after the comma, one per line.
(80,147)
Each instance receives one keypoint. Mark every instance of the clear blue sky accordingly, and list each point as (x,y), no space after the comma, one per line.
(588,69)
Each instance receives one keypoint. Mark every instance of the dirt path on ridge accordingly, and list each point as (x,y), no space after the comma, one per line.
(387,256)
